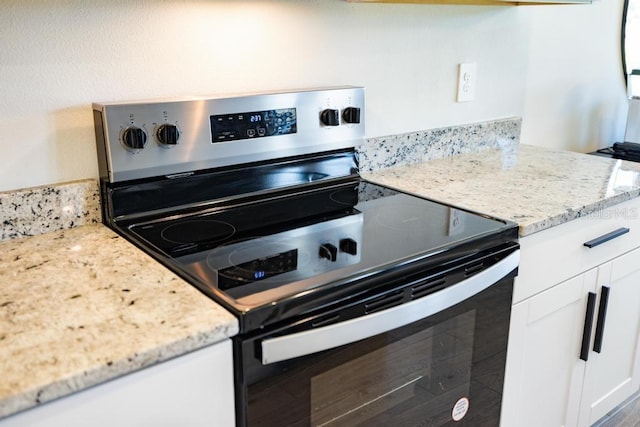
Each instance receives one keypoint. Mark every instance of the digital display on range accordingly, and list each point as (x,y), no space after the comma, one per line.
(256,124)
(257,269)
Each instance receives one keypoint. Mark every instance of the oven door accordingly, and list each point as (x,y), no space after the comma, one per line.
(435,361)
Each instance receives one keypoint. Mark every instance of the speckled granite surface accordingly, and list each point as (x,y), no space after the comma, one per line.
(536,187)
(417,147)
(81,306)
(44,209)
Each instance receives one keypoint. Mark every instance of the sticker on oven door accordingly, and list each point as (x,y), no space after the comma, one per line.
(460,409)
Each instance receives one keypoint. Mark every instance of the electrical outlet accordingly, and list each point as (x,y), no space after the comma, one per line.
(467,82)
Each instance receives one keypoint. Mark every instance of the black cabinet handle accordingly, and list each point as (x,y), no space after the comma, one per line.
(602,314)
(588,323)
(606,237)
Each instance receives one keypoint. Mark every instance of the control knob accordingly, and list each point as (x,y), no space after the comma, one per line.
(349,246)
(351,115)
(328,251)
(168,134)
(330,117)
(134,138)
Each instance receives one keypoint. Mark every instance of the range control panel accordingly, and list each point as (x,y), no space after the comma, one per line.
(166,138)
(255,124)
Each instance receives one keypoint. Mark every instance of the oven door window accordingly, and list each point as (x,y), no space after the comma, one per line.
(395,381)
(445,370)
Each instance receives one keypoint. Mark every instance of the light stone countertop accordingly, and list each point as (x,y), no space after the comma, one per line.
(73,303)
(536,187)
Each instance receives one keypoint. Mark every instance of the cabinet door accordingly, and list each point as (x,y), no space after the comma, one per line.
(544,372)
(612,374)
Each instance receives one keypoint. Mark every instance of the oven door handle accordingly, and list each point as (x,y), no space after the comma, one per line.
(327,337)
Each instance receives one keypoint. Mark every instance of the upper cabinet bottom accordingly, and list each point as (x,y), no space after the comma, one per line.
(478,2)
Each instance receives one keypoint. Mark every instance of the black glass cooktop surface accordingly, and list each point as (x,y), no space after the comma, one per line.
(259,252)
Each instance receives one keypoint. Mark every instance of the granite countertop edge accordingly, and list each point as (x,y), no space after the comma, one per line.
(121,312)
(79,381)
(571,214)
(536,187)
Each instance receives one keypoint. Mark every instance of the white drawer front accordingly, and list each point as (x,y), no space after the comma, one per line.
(557,254)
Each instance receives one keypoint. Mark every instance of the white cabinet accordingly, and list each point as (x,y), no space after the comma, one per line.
(192,390)
(553,385)
(543,368)
(547,383)
(613,374)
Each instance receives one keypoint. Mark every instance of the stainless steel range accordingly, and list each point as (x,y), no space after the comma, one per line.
(358,304)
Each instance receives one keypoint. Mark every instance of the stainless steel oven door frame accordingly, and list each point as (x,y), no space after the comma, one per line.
(313,341)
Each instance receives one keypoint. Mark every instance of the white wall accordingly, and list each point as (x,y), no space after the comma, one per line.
(575,94)
(556,66)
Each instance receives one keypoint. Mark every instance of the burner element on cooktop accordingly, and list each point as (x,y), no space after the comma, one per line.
(198,230)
